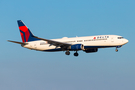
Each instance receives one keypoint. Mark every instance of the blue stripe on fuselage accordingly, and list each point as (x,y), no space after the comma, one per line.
(53,50)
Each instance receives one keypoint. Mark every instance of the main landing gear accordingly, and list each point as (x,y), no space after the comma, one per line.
(68,53)
(76,54)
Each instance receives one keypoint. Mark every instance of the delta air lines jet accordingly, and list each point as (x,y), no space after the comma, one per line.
(88,44)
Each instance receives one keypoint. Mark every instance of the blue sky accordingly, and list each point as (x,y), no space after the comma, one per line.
(23,69)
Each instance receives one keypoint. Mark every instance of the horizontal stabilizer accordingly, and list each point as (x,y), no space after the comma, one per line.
(17,42)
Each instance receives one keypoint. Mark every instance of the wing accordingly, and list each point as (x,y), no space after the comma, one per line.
(55,43)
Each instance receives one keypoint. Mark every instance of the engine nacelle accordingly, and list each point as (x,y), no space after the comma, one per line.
(91,50)
(77,47)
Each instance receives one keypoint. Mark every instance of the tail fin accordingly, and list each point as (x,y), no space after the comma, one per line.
(26,34)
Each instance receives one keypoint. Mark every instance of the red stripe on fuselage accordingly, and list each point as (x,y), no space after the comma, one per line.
(26,31)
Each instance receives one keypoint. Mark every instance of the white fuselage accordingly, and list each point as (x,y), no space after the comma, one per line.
(100,41)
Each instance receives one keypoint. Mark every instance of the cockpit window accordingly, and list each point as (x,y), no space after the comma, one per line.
(120,37)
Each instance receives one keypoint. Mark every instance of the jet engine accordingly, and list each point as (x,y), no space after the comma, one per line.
(77,47)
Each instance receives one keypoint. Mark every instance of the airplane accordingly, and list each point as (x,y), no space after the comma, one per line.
(88,44)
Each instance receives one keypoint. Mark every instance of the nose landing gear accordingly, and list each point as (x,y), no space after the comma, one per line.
(116,50)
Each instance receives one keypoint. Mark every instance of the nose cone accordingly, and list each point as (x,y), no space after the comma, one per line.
(126,41)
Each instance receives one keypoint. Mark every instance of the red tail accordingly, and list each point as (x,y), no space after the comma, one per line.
(26,34)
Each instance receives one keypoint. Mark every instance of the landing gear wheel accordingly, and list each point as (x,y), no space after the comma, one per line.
(116,50)
(67,53)
(76,54)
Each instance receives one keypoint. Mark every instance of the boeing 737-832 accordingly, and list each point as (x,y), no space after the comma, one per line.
(88,44)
